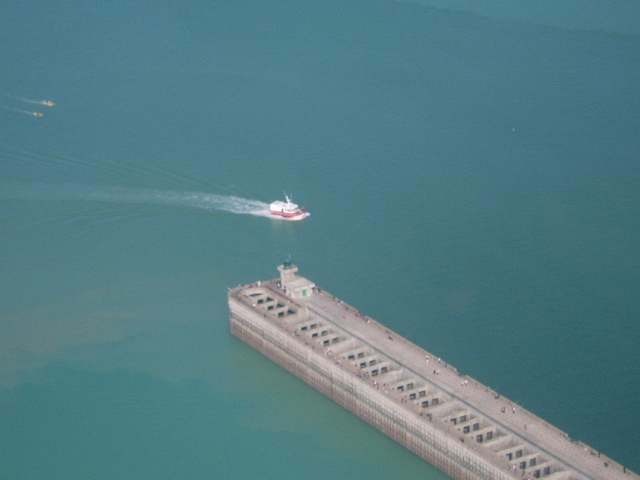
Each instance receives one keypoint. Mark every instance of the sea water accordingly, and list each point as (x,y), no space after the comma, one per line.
(472,181)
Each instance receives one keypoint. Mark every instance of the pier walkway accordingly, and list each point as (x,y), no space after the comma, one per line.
(418,399)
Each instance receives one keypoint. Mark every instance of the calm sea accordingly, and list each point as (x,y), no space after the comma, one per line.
(473,182)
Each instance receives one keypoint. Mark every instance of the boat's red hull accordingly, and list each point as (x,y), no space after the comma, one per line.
(289,215)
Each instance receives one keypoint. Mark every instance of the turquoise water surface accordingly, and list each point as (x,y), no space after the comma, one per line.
(473,182)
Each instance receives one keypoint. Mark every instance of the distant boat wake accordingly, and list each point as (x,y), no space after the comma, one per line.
(204,201)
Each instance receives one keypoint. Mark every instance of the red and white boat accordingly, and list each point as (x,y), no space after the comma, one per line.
(287,209)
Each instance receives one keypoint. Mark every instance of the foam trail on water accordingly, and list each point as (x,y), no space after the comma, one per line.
(200,200)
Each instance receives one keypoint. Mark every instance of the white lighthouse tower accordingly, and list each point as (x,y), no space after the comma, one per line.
(293,285)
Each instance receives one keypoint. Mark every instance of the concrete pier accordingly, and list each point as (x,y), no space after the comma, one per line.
(451,420)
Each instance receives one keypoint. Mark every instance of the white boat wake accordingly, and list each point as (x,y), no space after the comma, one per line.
(200,200)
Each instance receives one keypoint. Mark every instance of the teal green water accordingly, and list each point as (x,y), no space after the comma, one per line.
(473,183)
